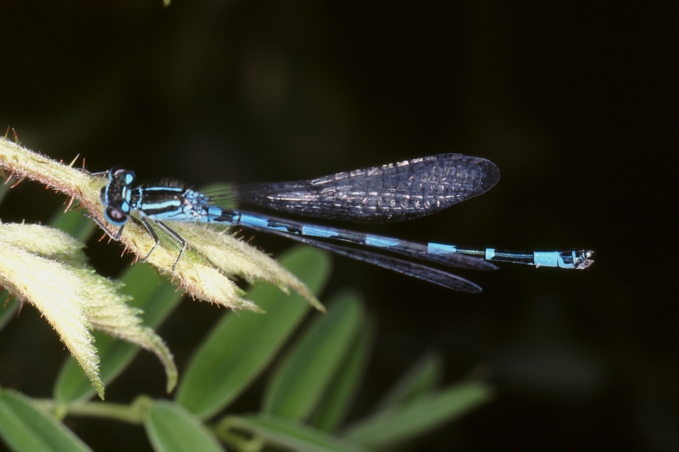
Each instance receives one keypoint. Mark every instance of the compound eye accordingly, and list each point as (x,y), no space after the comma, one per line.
(115,216)
(124,175)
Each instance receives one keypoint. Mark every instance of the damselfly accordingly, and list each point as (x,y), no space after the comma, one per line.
(388,193)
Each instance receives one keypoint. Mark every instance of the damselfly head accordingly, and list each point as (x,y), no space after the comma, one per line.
(115,195)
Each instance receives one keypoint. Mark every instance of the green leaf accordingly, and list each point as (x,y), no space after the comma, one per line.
(8,308)
(421,379)
(156,297)
(171,428)
(342,389)
(305,373)
(392,427)
(25,427)
(7,185)
(287,433)
(74,223)
(241,344)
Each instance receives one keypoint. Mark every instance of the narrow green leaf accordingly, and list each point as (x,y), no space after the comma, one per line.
(171,428)
(156,297)
(241,344)
(25,427)
(422,378)
(75,223)
(152,293)
(392,427)
(305,373)
(343,388)
(288,433)
(6,185)
(8,308)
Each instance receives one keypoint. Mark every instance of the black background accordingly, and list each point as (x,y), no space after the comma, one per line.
(576,102)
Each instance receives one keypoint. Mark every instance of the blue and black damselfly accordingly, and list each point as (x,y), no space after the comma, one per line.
(394,192)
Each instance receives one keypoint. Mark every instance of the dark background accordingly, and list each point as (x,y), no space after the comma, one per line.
(576,102)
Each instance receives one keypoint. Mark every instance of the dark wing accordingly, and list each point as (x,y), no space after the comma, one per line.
(388,193)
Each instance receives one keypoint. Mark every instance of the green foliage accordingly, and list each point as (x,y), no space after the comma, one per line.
(25,427)
(303,404)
